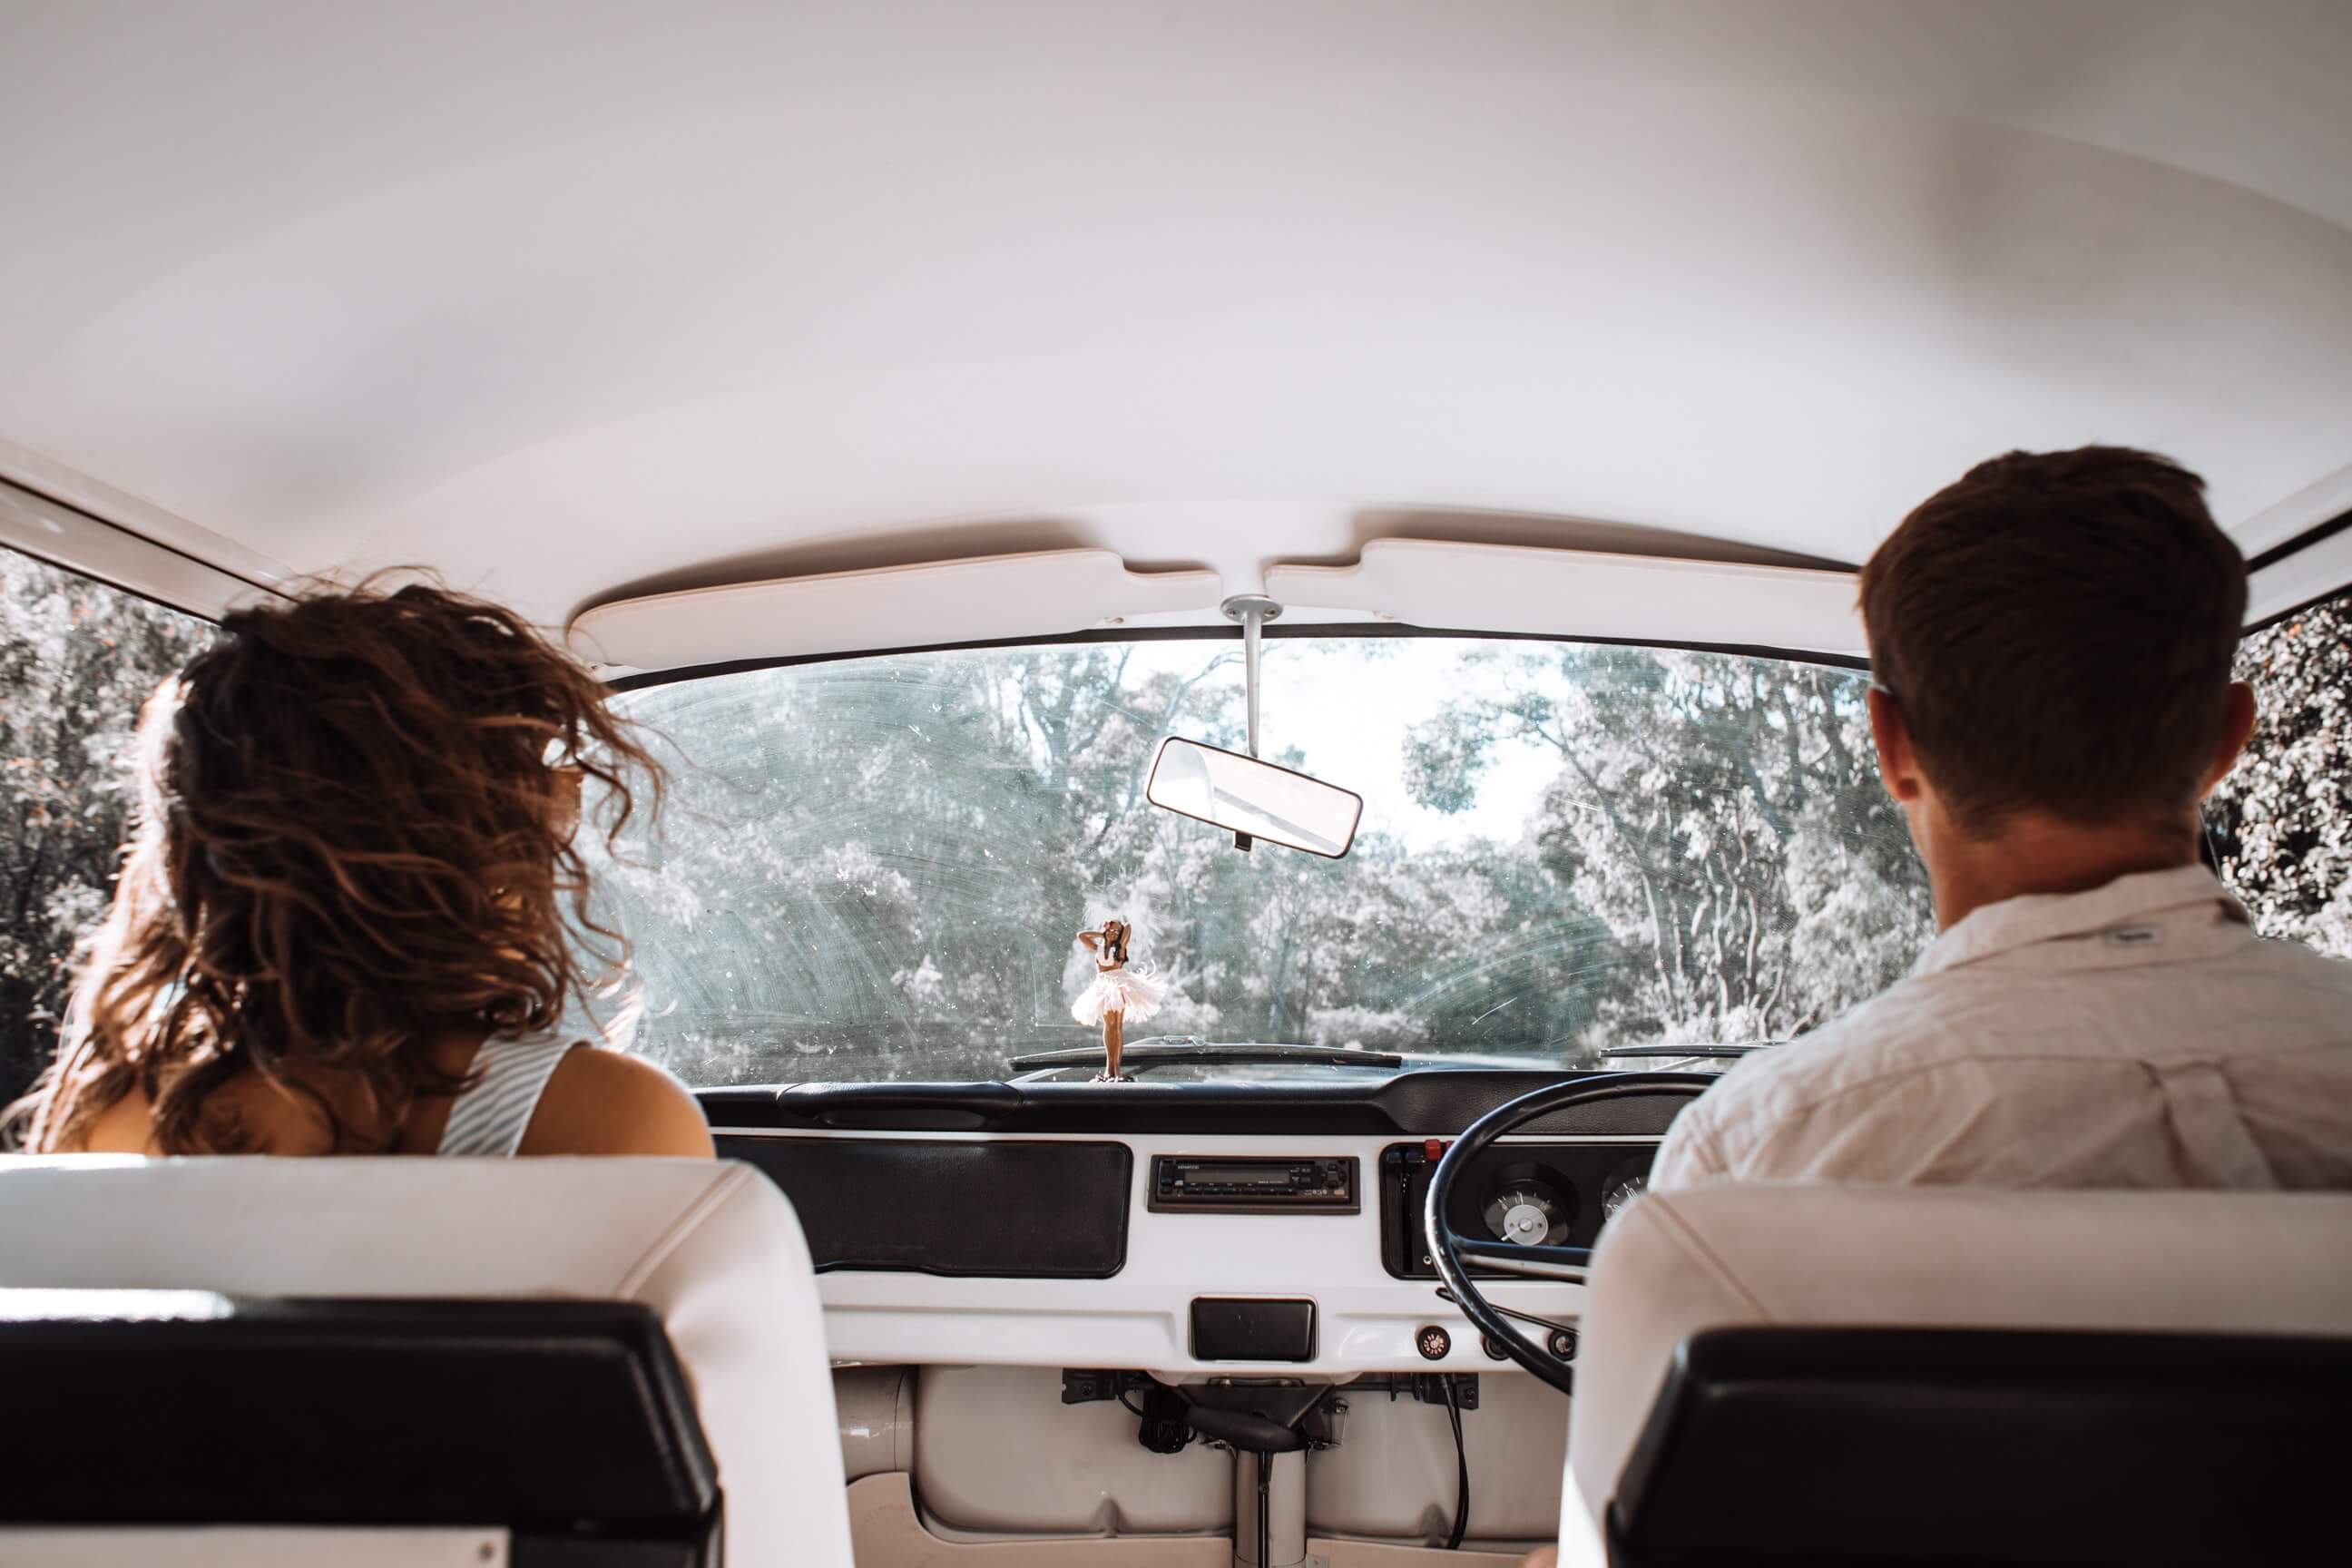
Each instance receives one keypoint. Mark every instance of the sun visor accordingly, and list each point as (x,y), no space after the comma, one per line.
(1584,594)
(1040,595)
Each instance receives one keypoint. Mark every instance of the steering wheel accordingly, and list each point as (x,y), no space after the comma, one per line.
(1448,1248)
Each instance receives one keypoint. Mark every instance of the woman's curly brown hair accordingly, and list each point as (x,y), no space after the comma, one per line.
(351,838)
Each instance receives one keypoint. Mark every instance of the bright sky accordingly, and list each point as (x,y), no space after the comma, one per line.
(1348,704)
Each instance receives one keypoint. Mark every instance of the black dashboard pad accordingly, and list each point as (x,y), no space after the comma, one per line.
(1424,1103)
(1026,1210)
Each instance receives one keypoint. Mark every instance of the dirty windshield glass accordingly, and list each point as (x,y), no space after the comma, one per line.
(874,868)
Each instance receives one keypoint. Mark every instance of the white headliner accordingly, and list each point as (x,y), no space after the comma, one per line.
(570,299)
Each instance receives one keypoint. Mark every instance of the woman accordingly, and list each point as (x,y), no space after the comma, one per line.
(352,917)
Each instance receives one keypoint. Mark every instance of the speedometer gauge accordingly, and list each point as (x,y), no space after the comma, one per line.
(1529,1213)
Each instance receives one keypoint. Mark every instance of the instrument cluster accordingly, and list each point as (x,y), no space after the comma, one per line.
(1533,1194)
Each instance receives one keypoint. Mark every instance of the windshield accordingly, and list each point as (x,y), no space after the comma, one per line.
(876,868)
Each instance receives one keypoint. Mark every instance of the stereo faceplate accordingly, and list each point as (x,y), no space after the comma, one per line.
(1251,1184)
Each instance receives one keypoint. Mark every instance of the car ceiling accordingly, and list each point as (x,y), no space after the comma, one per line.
(577,300)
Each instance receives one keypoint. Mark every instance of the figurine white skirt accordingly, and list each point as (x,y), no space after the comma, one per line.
(1118,991)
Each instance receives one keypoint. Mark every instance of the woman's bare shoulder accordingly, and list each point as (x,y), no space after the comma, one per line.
(603,1101)
(126,1127)
(249,1113)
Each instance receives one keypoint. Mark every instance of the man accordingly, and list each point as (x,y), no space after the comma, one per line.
(2051,642)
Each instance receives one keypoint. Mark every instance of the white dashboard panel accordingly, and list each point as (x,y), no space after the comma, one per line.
(1139,1318)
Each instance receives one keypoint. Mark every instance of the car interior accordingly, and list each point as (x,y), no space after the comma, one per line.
(1324,533)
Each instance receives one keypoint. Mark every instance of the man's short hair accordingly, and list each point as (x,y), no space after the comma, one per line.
(2057,629)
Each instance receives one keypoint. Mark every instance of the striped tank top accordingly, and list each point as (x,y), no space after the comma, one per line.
(489,1114)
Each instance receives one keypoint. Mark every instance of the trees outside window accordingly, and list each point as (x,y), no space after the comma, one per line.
(77,658)
(2282,822)
(875,867)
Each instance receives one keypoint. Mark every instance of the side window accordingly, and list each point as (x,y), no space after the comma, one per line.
(77,660)
(2282,821)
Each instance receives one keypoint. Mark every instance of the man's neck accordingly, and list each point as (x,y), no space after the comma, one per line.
(2037,853)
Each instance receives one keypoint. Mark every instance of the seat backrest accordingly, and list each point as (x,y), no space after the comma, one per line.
(711,1248)
(558,1426)
(1802,1256)
(2028,1447)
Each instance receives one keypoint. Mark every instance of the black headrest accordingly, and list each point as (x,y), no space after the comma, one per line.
(130,1408)
(1896,1446)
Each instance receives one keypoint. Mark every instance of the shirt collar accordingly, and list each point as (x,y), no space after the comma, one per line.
(2046,916)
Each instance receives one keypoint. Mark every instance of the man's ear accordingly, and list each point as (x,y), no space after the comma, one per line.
(2237,729)
(1897,765)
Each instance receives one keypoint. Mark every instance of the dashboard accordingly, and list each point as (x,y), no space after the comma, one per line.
(1136,1227)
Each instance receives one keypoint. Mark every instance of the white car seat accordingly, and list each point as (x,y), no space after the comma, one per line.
(713,1248)
(2276,1267)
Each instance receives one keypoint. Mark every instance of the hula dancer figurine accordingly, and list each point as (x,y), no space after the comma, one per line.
(1116,995)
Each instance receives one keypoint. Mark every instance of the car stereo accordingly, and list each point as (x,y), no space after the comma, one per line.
(1245,1184)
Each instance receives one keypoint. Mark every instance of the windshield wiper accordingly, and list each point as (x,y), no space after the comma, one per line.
(1179,1050)
(1682,1053)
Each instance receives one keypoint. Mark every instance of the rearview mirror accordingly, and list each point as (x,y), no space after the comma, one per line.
(1253,799)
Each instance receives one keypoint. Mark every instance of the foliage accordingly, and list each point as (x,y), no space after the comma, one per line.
(1722,817)
(877,868)
(2282,821)
(77,660)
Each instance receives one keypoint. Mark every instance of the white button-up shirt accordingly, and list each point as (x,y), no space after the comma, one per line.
(2139,1034)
